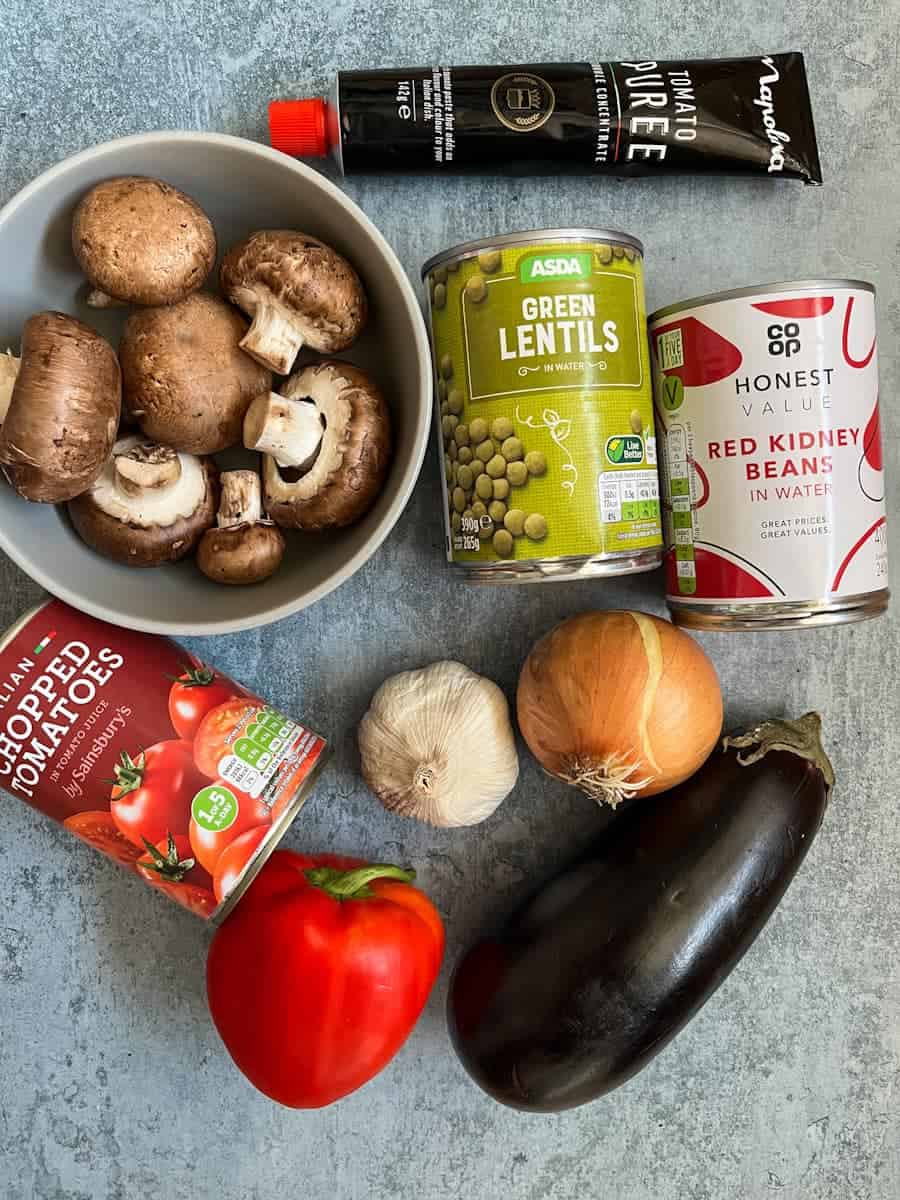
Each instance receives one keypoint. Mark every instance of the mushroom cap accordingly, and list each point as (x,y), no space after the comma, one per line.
(143,241)
(144,545)
(241,554)
(64,409)
(303,276)
(186,381)
(353,458)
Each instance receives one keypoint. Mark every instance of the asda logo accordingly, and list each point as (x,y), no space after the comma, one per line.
(625,450)
(538,267)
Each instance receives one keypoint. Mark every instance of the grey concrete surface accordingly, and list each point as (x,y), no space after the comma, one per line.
(112,1081)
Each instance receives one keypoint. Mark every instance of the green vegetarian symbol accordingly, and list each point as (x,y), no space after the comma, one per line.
(671,392)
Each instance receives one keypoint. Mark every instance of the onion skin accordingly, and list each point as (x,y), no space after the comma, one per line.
(619,704)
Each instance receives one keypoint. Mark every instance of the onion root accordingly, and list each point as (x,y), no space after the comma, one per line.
(608,780)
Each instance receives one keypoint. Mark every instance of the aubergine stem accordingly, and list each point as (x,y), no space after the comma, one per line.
(802,737)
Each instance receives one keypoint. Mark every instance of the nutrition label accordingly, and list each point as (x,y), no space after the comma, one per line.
(682,511)
(268,743)
(629,496)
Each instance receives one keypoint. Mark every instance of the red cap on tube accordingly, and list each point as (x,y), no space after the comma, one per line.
(297,127)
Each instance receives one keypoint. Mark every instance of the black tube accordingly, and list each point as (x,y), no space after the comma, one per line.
(747,116)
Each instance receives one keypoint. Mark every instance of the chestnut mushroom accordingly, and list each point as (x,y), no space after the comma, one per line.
(298,291)
(187,384)
(60,404)
(330,431)
(141,241)
(244,547)
(151,505)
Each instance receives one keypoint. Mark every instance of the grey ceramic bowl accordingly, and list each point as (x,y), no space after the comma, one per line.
(243,186)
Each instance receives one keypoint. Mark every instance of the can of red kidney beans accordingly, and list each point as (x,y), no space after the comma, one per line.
(160,762)
(770,456)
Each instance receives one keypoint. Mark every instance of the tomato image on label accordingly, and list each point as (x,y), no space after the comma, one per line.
(171,867)
(213,739)
(194,693)
(220,813)
(234,858)
(99,830)
(152,794)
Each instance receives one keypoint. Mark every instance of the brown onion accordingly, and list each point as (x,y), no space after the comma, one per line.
(619,704)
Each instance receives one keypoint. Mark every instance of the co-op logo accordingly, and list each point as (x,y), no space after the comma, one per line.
(784,340)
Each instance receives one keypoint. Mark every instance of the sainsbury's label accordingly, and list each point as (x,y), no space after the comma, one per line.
(771,459)
(139,749)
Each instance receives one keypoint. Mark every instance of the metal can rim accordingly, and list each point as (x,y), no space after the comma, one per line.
(19,624)
(275,838)
(522,237)
(784,285)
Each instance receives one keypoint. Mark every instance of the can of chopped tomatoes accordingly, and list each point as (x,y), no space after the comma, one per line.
(157,760)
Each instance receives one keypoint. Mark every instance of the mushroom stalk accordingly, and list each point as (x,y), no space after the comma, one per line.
(245,547)
(9,371)
(288,430)
(273,339)
(241,502)
(97,298)
(145,468)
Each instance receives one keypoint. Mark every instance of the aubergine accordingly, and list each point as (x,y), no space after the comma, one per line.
(602,967)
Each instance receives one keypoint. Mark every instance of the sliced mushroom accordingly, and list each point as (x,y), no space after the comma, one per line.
(298,291)
(187,383)
(59,408)
(351,461)
(151,505)
(244,548)
(141,241)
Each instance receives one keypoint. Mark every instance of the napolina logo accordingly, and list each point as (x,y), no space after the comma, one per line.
(766,102)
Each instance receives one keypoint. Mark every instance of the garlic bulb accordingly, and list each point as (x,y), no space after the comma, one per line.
(437,744)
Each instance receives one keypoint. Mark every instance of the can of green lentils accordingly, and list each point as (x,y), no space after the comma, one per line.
(544,406)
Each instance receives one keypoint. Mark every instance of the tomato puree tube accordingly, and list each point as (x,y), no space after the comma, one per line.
(770,453)
(154,758)
(734,116)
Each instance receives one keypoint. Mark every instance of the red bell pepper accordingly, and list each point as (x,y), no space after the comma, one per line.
(333,959)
